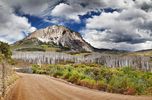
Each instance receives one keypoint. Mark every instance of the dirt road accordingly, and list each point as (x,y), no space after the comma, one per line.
(41,87)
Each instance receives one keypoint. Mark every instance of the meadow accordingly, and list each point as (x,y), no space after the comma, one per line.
(124,80)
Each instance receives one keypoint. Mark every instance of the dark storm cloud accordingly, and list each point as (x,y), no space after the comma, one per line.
(88,3)
(126,38)
(145,5)
(32,7)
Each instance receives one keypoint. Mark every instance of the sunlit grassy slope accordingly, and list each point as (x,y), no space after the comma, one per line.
(35,45)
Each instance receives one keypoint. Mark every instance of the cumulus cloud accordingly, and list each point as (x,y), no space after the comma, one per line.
(12,26)
(128,28)
(98,40)
(67,11)
(72,9)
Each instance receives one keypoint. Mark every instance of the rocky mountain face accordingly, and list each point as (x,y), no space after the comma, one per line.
(61,36)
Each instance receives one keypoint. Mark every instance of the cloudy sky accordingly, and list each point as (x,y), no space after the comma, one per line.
(112,24)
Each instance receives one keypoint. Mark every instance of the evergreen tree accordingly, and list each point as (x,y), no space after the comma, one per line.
(5,50)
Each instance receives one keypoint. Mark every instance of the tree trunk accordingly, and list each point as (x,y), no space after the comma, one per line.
(3,79)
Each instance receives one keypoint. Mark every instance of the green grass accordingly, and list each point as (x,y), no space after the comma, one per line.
(86,53)
(31,49)
(36,45)
(115,80)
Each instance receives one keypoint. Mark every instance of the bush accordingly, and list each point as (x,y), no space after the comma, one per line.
(66,74)
(101,85)
(35,68)
(88,83)
(76,77)
(149,91)
(57,74)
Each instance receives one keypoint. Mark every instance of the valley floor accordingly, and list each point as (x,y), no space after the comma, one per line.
(41,87)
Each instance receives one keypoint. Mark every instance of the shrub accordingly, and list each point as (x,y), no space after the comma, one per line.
(57,74)
(41,72)
(118,84)
(66,75)
(75,76)
(149,91)
(101,85)
(35,68)
(88,83)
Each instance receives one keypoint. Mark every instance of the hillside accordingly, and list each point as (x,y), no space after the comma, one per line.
(147,52)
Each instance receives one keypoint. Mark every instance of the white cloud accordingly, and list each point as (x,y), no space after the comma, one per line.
(66,11)
(12,26)
(96,39)
(69,11)
(72,8)
(128,29)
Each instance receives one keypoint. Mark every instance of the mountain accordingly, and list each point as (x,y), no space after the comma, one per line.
(54,37)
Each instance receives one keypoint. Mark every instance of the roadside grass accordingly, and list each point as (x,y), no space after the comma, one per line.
(11,79)
(124,80)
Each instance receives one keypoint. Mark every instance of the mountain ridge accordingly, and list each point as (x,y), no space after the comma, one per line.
(61,36)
